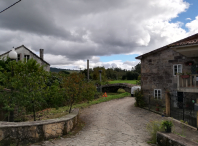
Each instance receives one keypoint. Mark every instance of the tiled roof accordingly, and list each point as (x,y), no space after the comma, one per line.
(191,40)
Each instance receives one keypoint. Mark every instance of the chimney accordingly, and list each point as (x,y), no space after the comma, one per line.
(41,53)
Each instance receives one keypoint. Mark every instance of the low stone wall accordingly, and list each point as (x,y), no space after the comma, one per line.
(35,131)
(170,139)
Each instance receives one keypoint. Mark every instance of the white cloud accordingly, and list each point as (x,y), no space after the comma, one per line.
(83,64)
(73,31)
(193,26)
(188,19)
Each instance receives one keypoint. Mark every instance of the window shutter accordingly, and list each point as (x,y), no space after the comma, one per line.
(179,68)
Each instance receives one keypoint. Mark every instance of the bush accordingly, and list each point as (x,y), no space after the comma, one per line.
(139,98)
(138,82)
(152,127)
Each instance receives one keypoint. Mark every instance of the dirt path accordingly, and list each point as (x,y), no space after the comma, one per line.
(112,123)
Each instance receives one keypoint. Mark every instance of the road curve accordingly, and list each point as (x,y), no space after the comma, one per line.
(112,123)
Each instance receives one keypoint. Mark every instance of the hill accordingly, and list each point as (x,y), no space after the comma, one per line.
(53,69)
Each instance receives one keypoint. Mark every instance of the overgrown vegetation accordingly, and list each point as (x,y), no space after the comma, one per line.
(152,127)
(27,87)
(35,94)
(139,99)
(76,89)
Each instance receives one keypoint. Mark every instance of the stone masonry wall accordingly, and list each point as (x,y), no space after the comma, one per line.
(170,139)
(30,132)
(157,72)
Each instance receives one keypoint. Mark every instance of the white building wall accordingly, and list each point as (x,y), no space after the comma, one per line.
(22,51)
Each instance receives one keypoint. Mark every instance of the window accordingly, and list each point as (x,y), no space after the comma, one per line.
(157,93)
(177,68)
(27,57)
(18,56)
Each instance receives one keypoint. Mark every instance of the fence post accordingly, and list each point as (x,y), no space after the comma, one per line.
(167,95)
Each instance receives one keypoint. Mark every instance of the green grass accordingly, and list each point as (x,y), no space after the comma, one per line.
(123,81)
(62,111)
(102,99)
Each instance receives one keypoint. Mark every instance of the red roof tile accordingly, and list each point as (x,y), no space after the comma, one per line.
(191,40)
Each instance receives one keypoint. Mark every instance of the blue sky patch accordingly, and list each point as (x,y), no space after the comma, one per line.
(191,13)
(119,57)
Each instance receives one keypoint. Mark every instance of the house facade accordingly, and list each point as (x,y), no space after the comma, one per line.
(160,68)
(24,53)
(162,71)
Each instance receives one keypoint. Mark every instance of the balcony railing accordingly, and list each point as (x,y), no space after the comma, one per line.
(187,84)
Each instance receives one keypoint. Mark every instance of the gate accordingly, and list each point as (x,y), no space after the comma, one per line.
(182,108)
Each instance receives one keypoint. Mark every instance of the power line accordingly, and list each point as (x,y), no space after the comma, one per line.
(10,6)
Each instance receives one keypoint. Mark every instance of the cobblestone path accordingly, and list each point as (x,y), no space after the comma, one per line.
(112,123)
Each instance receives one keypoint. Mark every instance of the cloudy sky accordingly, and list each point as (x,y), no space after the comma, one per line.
(110,33)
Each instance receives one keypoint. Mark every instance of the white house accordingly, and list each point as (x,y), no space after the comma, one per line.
(24,52)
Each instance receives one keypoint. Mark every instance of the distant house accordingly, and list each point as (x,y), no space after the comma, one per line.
(160,74)
(24,53)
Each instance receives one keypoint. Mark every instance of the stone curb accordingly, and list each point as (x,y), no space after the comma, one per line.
(35,131)
(188,126)
(36,123)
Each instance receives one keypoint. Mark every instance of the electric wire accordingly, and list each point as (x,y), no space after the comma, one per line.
(10,6)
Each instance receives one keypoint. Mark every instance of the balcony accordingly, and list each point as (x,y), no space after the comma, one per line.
(187,84)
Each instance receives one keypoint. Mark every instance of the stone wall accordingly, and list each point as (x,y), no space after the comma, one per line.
(170,139)
(157,72)
(31,132)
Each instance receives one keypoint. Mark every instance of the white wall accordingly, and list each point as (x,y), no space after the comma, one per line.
(22,51)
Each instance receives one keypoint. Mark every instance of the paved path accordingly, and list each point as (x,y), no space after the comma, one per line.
(112,123)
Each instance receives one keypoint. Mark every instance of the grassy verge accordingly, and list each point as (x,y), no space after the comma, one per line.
(102,99)
(123,81)
(62,111)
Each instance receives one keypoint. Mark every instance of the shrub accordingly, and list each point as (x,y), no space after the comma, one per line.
(139,98)
(138,82)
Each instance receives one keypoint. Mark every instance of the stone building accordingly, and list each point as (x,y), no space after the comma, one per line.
(24,53)
(160,68)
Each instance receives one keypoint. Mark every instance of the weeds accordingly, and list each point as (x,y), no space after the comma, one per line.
(183,129)
(152,127)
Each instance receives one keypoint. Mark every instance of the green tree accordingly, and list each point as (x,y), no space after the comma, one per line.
(90,73)
(137,68)
(73,88)
(26,84)
(77,89)
(88,92)
(132,75)
(96,75)
(111,74)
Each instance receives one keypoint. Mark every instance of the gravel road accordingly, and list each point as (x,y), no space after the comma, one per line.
(112,123)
